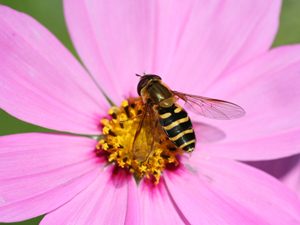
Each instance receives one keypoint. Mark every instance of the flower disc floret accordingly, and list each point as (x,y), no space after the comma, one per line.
(134,145)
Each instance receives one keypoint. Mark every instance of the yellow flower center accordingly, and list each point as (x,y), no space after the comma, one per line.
(132,142)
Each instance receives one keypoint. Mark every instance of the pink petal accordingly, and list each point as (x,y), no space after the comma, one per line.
(255,191)
(292,178)
(103,202)
(206,133)
(199,203)
(268,89)
(156,206)
(40,172)
(286,169)
(197,39)
(41,82)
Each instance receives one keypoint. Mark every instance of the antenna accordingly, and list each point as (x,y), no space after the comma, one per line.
(138,75)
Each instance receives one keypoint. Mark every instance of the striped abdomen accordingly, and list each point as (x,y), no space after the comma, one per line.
(178,127)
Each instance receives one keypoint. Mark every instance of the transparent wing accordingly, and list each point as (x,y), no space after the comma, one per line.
(147,134)
(211,108)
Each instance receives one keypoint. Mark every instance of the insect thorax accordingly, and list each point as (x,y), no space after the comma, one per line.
(158,94)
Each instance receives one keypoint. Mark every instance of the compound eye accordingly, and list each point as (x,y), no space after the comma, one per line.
(143,82)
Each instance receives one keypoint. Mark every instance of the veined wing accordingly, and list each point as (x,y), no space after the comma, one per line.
(211,108)
(147,134)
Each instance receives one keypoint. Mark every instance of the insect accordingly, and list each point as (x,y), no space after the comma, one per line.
(163,111)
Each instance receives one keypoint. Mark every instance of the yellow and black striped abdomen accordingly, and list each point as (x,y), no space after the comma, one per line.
(178,127)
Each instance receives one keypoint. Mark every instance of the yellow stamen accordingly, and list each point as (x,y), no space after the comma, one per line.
(145,153)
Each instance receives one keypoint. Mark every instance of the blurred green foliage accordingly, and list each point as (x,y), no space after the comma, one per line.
(50,14)
(289,30)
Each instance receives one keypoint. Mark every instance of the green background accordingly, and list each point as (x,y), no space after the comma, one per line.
(50,13)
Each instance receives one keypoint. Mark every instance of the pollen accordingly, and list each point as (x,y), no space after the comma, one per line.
(133,140)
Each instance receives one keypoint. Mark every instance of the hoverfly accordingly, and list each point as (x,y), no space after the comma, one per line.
(163,112)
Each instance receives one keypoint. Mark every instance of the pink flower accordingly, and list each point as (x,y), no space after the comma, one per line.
(212,48)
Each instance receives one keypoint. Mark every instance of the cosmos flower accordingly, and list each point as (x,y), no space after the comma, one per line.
(212,48)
